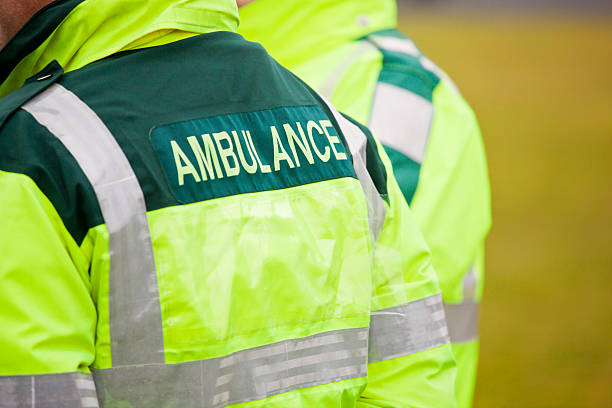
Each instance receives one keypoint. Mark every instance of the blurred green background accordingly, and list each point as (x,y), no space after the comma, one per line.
(541,85)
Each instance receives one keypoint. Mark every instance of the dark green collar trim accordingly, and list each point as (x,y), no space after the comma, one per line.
(32,87)
(33,34)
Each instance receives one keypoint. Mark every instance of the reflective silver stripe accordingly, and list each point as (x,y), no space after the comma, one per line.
(469,285)
(243,376)
(394,44)
(70,390)
(357,142)
(135,313)
(462,321)
(328,87)
(407,329)
(402,120)
(407,46)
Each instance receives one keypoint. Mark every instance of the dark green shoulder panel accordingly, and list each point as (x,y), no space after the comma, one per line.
(30,149)
(405,70)
(374,164)
(32,87)
(206,76)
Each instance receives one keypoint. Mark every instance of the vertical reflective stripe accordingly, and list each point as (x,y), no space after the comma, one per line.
(135,313)
(394,44)
(402,120)
(462,321)
(357,142)
(70,390)
(328,87)
(246,375)
(469,285)
(407,329)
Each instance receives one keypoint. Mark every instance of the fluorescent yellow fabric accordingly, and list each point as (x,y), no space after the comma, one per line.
(451,203)
(389,378)
(203,302)
(88,34)
(47,315)
(218,262)
(295,31)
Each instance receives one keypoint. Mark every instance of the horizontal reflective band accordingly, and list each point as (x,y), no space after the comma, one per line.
(70,390)
(135,311)
(357,141)
(243,376)
(407,329)
(402,120)
(395,44)
(462,321)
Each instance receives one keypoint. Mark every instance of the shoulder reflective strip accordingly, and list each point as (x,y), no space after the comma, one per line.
(407,329)
(70,390)
(357,142)
(246,375)
(431,66)
(330,84)
(395,44)
(135,312)
(462,321)
(401,120)
(469,285)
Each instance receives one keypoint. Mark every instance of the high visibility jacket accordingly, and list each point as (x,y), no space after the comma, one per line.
(351,53)
(184,223)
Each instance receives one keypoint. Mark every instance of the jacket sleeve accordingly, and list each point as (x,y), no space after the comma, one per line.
(452,200)
(410,362)
(47,316)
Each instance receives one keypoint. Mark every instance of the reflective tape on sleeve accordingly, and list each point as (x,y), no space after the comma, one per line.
(402,120)
(462,320)
(246,375)
(407,329)
(70,390)
(135,312)
(394,44)
(469,285)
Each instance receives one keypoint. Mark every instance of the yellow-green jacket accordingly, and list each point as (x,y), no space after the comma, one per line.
(184,223)
(351,52)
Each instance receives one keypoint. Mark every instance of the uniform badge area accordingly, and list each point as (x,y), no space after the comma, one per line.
(247,152)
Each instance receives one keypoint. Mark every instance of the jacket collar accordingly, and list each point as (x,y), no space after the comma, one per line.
(294,31)
(78,32)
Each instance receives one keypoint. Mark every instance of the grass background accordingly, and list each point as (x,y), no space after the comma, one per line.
(542,89)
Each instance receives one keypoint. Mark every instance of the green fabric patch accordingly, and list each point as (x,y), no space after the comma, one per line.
(404,70)
(30,149)
(32,87)
(406,171)
(374,164)
(247,152)
(199,77)
(407,72)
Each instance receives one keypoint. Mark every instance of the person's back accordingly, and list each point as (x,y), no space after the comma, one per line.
(186,223)
(351,52)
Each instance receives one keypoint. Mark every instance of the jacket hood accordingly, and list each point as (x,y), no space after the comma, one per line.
(296,30)
(78,32)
